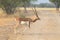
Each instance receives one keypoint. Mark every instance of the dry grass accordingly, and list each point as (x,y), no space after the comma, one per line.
(44,9)
(39,8)
(4,20)
(48,25)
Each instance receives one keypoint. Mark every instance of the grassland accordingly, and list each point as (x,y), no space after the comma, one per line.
(48,28)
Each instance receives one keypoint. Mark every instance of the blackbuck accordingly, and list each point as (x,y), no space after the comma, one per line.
(31,19)
(28,19)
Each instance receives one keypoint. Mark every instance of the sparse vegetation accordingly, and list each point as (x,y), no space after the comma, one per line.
(9,6)
(57,3)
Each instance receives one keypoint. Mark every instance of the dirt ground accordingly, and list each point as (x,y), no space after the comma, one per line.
(47,28)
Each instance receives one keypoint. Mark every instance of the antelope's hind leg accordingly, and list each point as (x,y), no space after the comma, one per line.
(29,24)
(19,22)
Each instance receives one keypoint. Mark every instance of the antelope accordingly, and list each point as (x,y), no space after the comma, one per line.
(28,19)
(32,19)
